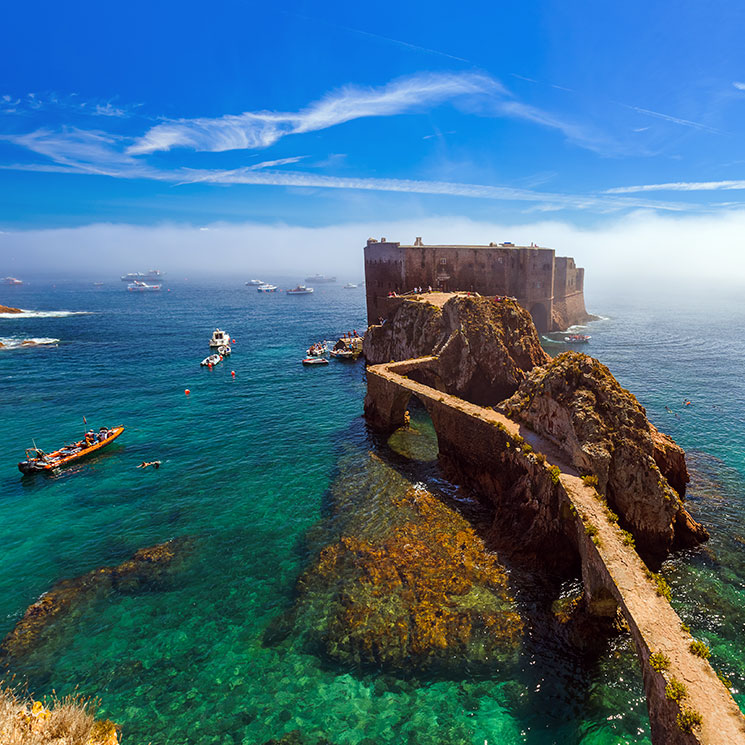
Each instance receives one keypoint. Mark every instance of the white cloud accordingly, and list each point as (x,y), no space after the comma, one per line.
(261,129)
(640,244)
(739,86)
(680,186)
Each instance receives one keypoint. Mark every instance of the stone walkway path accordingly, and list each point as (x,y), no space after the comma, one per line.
(655,626)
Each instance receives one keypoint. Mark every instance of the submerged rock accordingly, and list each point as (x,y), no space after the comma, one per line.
(603,430)
(146,566)
(421,592)
(485,347)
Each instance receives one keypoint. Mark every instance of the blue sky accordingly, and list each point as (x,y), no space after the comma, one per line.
(240,111)
(316,114)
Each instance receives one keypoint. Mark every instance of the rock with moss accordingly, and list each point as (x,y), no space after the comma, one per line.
(604,431)
(418,591)
(147,566)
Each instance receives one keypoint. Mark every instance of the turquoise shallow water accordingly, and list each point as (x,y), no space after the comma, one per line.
(249,467)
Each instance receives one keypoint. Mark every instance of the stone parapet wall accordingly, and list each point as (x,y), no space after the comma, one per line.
(553,512)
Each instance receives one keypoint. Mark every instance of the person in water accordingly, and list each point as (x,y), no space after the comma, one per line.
(147,464)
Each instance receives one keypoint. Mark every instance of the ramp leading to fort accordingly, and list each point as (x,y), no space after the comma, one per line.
(505,462)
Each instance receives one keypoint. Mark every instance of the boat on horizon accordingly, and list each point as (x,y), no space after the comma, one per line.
(37,461)
(350,286)
(138,286)
(255,282)
(320,278)
(267,288)
(300,290)
(12,281)
(142,276)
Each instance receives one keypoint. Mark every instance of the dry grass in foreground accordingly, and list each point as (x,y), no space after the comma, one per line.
(67,721)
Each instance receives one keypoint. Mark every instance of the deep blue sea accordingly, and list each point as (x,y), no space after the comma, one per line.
(249,466)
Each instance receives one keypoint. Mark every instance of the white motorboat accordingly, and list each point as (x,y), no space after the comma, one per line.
(220,339)
(317,350)
(224,351)
(12,281)
(267,288)
(300,290)
(344,354)
(350,286)
(255,282)
(138,286)
(213,359)
(315,361)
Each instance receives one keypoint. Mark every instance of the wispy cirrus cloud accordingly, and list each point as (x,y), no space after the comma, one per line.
(674,119)
(680,186)
(260,129)
(31,103)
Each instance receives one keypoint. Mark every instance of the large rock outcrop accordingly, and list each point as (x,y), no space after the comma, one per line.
(603,430)
(485,347)
(8,309)
(405,584)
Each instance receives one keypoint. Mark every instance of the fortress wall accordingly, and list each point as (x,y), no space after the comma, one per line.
(384,272)
(549,287)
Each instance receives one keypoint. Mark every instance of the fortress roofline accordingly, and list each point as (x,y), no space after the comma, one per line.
(418,244)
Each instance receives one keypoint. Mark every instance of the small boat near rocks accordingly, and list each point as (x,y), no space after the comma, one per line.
(577,339)
(344,354)
(37,461)
(315,361)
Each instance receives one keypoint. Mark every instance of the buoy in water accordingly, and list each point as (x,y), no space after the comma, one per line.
(232,372)
(209,364)
(220,358)
(187,391)
(232,341)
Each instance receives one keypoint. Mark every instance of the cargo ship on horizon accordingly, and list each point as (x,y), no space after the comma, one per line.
(320,278)
(141,277)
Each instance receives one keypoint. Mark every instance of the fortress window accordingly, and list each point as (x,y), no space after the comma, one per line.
(539,284)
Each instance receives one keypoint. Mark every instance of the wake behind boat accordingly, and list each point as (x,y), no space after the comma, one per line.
(37,461)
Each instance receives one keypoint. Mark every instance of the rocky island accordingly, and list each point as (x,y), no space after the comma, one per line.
(573,472)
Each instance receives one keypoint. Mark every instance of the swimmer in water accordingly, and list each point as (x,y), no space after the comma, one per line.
(147,464)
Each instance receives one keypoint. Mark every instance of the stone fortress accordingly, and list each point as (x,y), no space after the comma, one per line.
(550,287)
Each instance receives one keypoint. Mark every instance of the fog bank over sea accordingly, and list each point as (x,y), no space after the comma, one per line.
(636,247)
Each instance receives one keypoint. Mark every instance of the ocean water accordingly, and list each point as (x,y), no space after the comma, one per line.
(250,466)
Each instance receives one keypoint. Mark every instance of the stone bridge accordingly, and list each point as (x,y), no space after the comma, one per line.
(550,508)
